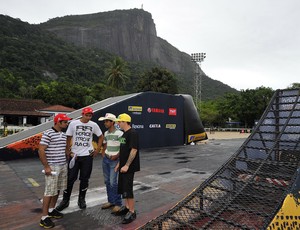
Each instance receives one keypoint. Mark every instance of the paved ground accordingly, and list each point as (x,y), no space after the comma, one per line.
(167,176)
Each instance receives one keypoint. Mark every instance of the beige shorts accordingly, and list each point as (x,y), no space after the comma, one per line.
(54,183)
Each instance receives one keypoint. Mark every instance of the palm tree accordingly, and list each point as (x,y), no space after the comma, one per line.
(117,73)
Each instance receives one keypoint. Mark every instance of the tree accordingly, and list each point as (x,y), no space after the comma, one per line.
(63,93)
(101,91)
(228,107)
(117,73)
(294,86)
(209,113)
(253,103)
(10,84)
(158,80)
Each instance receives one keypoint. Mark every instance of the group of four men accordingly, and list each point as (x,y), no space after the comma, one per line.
(64,155)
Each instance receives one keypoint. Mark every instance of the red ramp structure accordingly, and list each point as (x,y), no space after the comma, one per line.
(258,187)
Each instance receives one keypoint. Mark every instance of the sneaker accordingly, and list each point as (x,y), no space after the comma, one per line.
(123,211)
(115,209)
(63,204)
(129,217)
(81,203)
(47,223)
(107,205)
(55,214)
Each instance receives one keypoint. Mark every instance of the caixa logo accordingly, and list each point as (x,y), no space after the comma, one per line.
(154,126)
(155,110)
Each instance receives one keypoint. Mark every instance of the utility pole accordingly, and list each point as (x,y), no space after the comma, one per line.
(197,58)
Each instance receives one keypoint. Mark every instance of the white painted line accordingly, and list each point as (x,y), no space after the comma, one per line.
(97,196)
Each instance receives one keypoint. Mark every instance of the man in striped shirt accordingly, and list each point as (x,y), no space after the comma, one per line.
(110,153)
(52,153)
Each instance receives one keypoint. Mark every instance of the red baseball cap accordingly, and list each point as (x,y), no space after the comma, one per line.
(87,110)
(61,117)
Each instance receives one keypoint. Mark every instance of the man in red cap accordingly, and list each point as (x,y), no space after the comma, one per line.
(80,148)
(52,153)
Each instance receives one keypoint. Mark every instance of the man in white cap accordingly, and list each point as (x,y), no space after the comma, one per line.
(52,153)
(110,153)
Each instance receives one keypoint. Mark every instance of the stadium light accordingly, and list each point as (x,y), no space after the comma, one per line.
(197,58)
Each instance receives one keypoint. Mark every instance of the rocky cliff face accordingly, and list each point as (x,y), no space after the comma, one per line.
(128,33)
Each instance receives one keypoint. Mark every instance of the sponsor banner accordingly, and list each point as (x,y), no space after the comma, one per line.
(172,111)
(137,113)
(155,110)
(137,126)
(133,108)
(154,126)
(170,126)
(197,137)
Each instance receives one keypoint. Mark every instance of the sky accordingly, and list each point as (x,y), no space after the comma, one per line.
(248,43)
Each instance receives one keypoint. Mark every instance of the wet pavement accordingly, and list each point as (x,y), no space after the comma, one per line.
(167,175)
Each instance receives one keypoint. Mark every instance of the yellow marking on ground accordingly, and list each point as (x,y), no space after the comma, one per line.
(288,215)
(33,182)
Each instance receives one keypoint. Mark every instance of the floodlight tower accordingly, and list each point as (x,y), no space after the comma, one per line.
(197,58)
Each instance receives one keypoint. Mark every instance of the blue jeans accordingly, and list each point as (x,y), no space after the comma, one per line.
(111,181)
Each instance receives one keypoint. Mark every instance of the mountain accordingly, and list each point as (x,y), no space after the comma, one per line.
(128,33)
(75,48)
(132,35)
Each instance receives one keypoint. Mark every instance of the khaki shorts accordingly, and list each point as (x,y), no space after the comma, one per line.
(54,183)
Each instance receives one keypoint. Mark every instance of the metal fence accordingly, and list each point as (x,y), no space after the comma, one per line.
(248,190)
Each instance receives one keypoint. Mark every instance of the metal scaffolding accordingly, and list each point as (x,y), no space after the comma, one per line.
(197,58)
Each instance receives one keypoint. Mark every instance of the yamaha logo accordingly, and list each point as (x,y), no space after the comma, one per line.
(155,110)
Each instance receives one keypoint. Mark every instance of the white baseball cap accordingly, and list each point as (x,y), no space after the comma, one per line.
(108,116)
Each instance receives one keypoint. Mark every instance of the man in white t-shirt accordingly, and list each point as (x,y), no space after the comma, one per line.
(80,145)
(110,153)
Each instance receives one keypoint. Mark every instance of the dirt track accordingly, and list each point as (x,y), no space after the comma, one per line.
(226,135)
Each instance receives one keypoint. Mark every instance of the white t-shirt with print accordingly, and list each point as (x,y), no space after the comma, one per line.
(82,136)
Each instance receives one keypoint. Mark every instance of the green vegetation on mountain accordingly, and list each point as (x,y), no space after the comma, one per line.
(158,80)
(35,63)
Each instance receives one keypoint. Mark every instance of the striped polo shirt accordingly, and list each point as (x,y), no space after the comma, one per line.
(112,139)
(56,146)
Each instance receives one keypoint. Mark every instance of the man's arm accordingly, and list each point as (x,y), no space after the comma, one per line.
(99,146)
(103,149)
(68,147)
(131,157)
(43,159)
